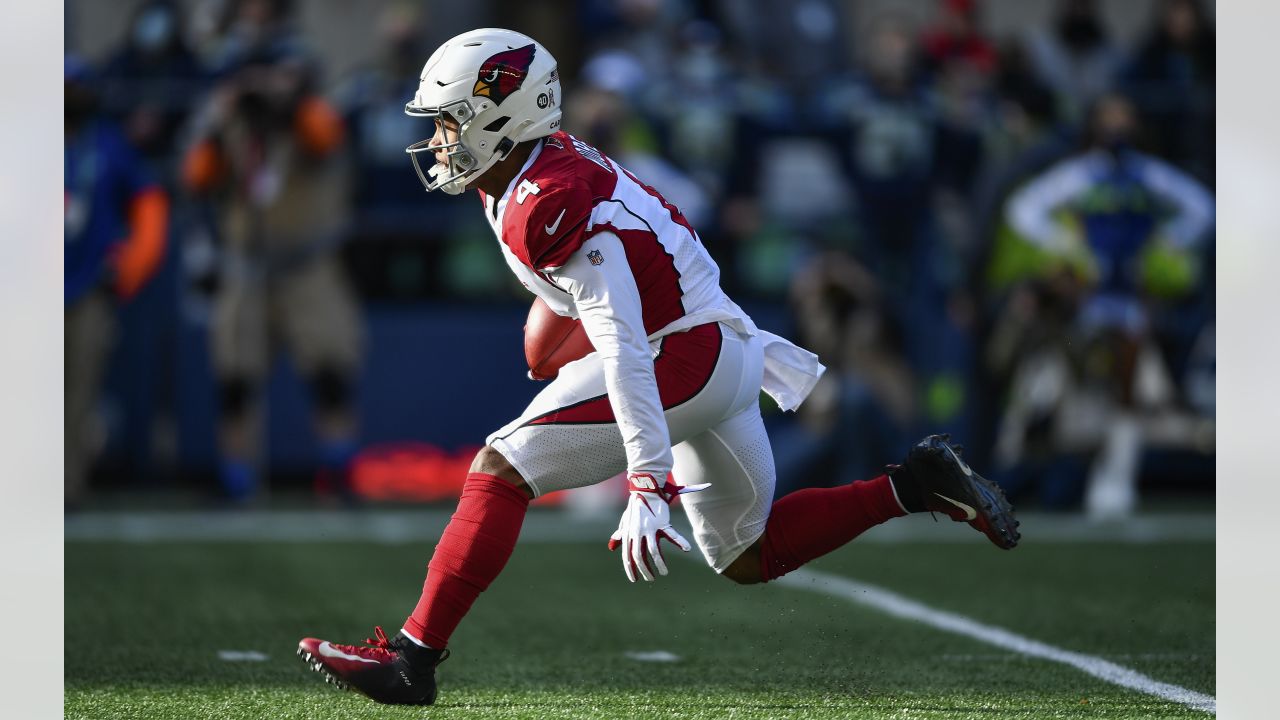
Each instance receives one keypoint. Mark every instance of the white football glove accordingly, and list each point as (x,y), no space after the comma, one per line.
(646,519)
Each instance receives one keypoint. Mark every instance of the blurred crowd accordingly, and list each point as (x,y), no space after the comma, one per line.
(1008,239)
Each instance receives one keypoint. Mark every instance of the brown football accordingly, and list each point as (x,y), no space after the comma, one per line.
(551,341)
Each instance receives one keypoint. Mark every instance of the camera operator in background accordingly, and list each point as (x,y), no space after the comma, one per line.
(115,224)
(1129,227)
(267,152)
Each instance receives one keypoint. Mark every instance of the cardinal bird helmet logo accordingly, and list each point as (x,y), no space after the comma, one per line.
(503,74)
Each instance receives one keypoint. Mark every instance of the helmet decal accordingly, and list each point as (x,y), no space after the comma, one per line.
(503,74)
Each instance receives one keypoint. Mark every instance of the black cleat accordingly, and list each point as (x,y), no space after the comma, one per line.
(396,671)
(935,479)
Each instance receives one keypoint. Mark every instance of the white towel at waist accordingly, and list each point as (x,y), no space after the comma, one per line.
(790,371)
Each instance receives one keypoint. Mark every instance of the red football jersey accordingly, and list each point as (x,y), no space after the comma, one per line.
(594,242)
(567,192)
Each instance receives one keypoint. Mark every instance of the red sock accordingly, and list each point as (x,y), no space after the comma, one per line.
(810,523)
(472,551)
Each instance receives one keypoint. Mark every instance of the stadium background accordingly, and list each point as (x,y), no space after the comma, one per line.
(769,121)
(754,116)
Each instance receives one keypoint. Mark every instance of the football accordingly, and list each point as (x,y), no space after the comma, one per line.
(551,341)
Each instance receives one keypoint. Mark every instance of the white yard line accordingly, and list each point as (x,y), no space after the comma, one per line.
(1007,657)
(658,656)
(242,656)
(903,607)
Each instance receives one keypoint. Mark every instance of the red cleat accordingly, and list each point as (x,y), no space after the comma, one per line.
(394,671)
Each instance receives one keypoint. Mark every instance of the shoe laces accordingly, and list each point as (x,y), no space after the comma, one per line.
(379,639)
(379,648)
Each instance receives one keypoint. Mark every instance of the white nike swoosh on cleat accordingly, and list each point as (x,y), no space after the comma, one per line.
(963,465)
(552,227)
(328,650)
(969,512)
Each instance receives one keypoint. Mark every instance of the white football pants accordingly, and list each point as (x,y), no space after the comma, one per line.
(709,378)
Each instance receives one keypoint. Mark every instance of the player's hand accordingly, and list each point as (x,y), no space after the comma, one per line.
(646,520)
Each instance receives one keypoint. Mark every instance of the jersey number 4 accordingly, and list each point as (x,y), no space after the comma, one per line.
(525,189)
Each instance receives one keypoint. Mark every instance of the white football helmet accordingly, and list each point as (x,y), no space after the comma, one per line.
(501,87)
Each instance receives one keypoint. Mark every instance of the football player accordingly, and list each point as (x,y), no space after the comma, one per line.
(674,380)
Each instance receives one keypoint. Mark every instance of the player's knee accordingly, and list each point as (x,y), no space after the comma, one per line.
(330,389)
(491,462)
(235,394)
(745,569)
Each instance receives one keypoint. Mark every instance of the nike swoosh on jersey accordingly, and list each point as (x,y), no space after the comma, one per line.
(553,226)
(969,512)
(328,650)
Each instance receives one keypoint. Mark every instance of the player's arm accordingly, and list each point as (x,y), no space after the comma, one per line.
(608,303)
(137,258)
(1032,210)
(1190,202)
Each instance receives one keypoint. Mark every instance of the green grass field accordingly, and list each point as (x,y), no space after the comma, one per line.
(145,623)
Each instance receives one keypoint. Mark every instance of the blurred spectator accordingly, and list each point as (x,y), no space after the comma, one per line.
(1133,224)
(957,38)
(209,20)
(1171,78)
(1028,357)
(406,243)
(641,28)
(892,152)
(116,219)
(698,112)
(372,100)
(604,118)
(914,153)
(267,151)
(1075,56)
(801,44)
(865,407)
(1024,110)
(152,82)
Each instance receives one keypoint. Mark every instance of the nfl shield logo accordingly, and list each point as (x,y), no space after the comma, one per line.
(595,257)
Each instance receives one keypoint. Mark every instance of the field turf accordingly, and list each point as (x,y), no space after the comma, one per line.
(145,623)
